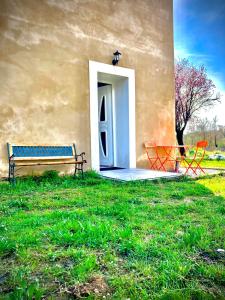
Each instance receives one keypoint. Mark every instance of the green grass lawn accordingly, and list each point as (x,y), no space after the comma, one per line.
(209,163)
(62,238)
(213,164)
(206,163)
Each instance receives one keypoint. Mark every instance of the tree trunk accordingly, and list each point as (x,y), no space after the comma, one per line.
(215,141)
(180,140)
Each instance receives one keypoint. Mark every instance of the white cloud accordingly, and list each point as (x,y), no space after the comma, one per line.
(182,52)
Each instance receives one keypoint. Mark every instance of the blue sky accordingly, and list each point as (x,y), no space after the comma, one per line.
(199,35)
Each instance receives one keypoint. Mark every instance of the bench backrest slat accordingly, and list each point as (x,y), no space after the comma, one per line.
(41,151)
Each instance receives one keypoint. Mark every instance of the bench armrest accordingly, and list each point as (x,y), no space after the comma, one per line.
(81,155)
(11,157)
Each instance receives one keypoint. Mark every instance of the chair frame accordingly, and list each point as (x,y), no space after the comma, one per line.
(196,160)
(155,159)
(161,159)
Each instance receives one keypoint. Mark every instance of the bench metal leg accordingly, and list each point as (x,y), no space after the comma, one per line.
(79,168)
(12,178)
(9,177)
(75,170)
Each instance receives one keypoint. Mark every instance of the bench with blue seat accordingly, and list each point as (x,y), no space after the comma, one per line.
(26,156)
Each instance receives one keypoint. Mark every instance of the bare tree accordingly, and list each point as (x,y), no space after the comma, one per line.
(203,126)
(194,91)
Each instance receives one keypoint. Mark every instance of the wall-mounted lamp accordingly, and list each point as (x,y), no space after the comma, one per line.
(116,57)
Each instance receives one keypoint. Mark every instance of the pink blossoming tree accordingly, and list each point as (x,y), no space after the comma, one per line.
(194,91)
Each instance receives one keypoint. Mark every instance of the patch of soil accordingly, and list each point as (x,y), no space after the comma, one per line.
(3,279)
(179,233)
(212,257)
(96,285)
(148,237)
(188,200)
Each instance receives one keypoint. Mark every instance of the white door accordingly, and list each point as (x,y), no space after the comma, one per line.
(105,125)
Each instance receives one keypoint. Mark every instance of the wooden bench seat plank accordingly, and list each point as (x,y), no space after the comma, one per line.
(50,163)
(43,158)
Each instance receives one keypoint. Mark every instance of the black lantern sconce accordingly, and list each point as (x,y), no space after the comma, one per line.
(116,57)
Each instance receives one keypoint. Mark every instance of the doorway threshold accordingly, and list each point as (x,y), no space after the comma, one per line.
(102,168)
(134,174)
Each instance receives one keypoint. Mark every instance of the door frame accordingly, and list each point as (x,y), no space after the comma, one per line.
(96,68)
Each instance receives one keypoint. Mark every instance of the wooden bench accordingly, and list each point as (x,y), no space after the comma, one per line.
(26,156)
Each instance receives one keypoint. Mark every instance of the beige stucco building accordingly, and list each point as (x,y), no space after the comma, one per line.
(58,84)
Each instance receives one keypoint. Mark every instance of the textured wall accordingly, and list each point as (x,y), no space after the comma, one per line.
(45,46)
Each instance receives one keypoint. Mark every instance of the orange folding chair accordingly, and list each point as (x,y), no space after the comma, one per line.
(162,156)
(194,163)
(153,160)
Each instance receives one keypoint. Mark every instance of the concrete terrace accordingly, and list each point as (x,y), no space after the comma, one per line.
(138,174)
